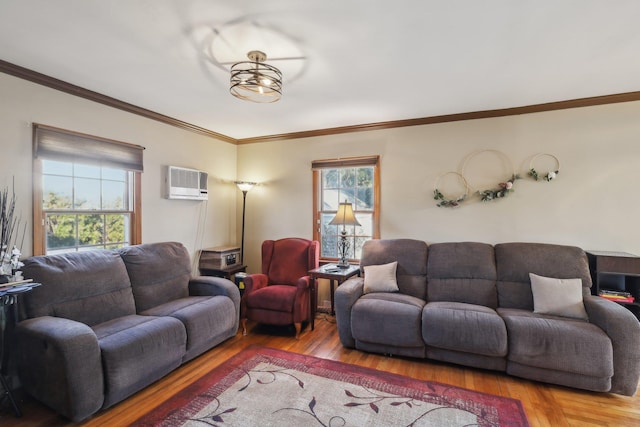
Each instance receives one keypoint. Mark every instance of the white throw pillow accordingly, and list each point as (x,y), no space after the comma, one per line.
(559,297)
(380,278)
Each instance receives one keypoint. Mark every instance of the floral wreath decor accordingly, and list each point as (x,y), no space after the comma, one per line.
(444,202)
(551,175)
(504,188)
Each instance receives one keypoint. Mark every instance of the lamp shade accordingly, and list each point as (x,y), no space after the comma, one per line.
(345,215)
(245,186)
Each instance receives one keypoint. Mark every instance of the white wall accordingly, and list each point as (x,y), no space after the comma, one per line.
(195,224)
(593,203)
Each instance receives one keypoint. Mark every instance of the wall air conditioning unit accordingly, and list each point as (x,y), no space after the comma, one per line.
(186,184)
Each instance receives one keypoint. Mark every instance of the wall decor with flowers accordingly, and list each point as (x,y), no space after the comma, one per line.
(551,174)
(450,202)
(503,187)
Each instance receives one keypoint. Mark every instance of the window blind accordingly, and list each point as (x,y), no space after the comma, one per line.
(63,145)
(346,162)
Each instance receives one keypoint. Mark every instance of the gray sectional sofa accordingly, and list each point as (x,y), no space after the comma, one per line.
(473,304)
(105,324)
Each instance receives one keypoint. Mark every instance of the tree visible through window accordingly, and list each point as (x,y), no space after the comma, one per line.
(85,206)
(86,192)
(352,180)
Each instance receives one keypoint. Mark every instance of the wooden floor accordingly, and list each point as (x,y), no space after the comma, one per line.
(545,405)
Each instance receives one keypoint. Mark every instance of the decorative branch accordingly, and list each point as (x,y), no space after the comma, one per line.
(9,226)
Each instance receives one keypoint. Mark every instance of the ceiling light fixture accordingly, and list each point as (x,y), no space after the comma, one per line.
(255,80)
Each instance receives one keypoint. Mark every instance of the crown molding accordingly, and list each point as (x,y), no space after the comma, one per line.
(57,84)
(51,82)
(528,109)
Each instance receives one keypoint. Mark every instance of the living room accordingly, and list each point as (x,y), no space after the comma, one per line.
(591,204)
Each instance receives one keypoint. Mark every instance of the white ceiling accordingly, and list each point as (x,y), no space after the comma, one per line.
(363,61)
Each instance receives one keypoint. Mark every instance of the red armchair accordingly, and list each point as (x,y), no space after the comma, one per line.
(280,295)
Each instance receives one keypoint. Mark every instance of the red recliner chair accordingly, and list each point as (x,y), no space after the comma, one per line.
(281,294)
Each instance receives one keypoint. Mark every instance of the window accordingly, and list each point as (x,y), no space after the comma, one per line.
(86,192)
(355,180)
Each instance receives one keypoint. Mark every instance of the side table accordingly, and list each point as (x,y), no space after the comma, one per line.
(8,309)
(223,272)
(333,274)
(617,272)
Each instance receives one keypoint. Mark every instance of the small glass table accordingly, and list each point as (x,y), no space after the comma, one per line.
(8,315)
(333,274)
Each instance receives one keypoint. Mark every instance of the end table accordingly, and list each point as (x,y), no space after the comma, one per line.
(334,274)
(8,309)
(223,272)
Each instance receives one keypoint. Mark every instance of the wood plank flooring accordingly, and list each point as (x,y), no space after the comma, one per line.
(545,405)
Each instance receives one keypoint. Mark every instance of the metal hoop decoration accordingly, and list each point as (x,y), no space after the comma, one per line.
(444,202)
(551,175)
(504,188)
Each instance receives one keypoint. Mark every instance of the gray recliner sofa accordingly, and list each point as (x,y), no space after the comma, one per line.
(105,324)
(472,304)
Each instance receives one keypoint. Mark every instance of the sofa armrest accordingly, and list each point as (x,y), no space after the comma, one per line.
(301,306)
(302,286)
(255,281)
(303,283)
(59,363)
(623,329)
(216,286)
(346,296)
(213,286)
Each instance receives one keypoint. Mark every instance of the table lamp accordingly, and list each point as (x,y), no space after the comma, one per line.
(344,217)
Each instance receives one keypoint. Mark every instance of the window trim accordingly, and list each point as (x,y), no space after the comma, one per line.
(345,162)
(76,138)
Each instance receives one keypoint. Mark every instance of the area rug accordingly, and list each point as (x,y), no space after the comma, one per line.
(262,386)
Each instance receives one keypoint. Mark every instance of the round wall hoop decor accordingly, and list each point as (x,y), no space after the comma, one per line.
(446,202)
(551,175)
(503,188)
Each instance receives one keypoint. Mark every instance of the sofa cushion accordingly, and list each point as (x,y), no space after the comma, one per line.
(159,273)
(201,317)
(136,351)
(380,278)
(464,327)
(88,287)
(557,343)
(411,255)
(462,272)
(514,262)
(272,298)
(560,297)
(388,318)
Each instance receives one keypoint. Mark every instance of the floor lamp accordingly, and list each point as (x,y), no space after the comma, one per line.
(244,186)
(344,217)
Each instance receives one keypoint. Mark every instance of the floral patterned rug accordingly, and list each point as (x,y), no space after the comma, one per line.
(267,387)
